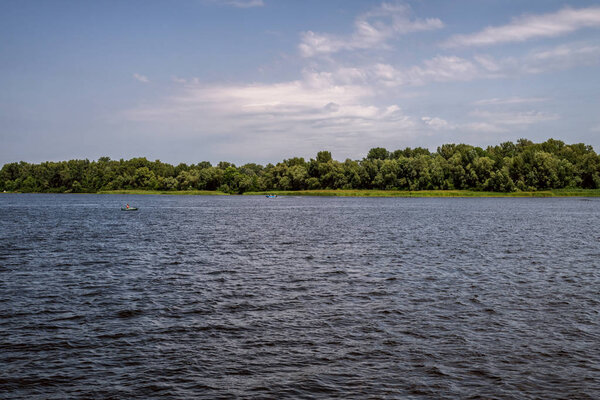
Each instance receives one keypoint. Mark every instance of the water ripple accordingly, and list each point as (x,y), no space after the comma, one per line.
(237,297)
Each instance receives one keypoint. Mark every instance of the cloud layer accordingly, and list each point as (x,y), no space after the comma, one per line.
(140,78)
(530,27)
(372,29)
(309,113)
(443,68)
(335,103)
(245,3)
(238,3)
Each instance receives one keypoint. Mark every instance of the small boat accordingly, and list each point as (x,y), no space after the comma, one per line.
(271,196)
(129,209)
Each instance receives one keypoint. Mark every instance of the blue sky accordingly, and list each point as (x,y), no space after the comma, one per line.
(264,80)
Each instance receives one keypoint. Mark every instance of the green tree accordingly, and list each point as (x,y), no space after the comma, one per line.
(324,157)
(378,153)
(297,175)
(143,177)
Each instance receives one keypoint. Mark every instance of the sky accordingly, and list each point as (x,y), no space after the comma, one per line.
(266,80)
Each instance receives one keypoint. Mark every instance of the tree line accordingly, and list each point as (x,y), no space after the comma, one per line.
(507,167)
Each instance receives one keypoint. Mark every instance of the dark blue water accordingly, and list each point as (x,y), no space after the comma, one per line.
(248,297)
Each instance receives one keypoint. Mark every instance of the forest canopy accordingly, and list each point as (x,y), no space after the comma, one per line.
(507,167)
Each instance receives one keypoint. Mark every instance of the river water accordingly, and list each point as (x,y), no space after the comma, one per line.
(249,297)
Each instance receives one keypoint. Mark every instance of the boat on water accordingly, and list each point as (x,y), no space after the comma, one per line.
(129,209)
(271,196)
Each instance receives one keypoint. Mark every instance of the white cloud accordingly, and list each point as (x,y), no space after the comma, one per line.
(141,78)
(436,123)
(562,57)
(239,3)
(501,120)
(313,97)
(388,75)
(515,118)
(456,69)
(529,27)
(539,61)
(443,69)
(447,69)
(488,64)
(484,127)
(177,79)
(436,69)
(246,3)
(341,108)
(511,100)
(371,29)
(306,115)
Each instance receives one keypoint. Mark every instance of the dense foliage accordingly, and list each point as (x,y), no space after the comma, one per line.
(507,167)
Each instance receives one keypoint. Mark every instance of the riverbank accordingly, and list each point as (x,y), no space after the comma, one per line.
(434,193)
(368,193)
(168,192)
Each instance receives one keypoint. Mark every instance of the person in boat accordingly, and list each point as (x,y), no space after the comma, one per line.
(127,206)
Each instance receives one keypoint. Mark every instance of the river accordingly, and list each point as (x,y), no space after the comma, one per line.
(299,297)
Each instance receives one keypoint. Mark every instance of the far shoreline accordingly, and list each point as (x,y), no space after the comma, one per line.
(358,193)
(433,193)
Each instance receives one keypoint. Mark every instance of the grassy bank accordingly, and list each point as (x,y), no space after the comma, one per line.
(374,193)
(434,193)
(171,192)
